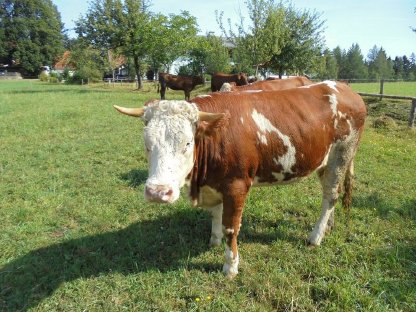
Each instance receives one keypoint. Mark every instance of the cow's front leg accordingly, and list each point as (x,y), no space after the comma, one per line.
(216,231)
(231,220)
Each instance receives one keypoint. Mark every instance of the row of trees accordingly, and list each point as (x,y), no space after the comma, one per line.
(351,64)
(277,38)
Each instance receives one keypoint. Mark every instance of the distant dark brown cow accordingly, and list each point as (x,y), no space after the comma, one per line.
(224,143)
(218,79)
(185,83)
(269,85)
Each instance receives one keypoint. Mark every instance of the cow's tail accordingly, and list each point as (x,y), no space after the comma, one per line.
(348,185)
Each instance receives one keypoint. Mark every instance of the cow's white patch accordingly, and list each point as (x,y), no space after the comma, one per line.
(226,87)
(208,197)
(262,138)
(325,160)
(242,120)
(265,126)
(203,96)
(278,176)
(333,103)
(230,267)
(227,231)
(217,228)
(252,91)
(332,84)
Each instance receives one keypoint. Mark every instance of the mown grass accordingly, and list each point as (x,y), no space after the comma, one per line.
(76,234)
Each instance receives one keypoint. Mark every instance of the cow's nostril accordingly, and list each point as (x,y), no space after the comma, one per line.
(158,193)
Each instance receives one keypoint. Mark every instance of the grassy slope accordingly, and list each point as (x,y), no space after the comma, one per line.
(77,235)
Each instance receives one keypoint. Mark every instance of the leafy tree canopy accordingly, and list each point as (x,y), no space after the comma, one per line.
(31,34)
(135,31)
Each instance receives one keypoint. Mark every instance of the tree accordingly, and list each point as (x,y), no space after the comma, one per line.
(303,43)
(379,66)
(90,63)
(209,55)
(174,36)
(398,68)
(31,34)
(340,56)
(130,27)
(279,37)
(329,66)
(255,46)
(355,67)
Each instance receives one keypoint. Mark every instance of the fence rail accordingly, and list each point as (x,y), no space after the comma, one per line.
(397,97)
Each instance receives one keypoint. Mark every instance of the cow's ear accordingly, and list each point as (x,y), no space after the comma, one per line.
(210,117)
(210,123)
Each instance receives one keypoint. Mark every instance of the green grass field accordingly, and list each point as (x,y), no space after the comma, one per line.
(403,88)
(77,235)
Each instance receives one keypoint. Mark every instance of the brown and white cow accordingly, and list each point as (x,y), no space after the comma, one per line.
(222,144)
(218,79)
(269,85)
(185,83)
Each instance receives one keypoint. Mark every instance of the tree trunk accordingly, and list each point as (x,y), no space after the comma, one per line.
(138,71)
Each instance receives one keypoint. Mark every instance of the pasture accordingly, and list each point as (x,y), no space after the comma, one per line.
(77,235)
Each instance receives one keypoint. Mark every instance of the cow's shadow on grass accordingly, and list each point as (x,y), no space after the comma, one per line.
(384,208)
(135,177)
(164,243)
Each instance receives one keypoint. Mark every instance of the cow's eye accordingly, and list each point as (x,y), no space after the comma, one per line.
(187,146)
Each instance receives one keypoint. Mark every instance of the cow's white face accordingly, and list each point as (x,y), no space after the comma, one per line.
(169,140)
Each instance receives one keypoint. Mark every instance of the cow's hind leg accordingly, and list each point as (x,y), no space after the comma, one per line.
(339,161)
(216,231)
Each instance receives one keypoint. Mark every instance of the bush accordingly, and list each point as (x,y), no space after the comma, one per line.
(44,77)
(76,78)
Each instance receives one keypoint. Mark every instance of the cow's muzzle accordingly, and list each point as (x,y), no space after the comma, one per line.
(159,193)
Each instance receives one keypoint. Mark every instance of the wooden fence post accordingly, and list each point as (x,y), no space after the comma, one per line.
(412,114)
(381,88)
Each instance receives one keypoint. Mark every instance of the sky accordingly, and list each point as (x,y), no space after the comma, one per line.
(384,23)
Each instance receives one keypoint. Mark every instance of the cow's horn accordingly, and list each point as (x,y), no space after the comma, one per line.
(135,112)
(203,116)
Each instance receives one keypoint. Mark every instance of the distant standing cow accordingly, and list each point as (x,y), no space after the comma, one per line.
(185,83)
(218,79)
(224,143)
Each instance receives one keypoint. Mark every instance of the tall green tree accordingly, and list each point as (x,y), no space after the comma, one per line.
(279,37)
(341,59)
(379,66)
(31,34)
(209,55)
(355,67)
(174,36)
(329,66)
(303,43)
(90,63)
(131,28)
(398,68)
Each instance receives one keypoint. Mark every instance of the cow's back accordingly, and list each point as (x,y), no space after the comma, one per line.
(275,85)
(281,131)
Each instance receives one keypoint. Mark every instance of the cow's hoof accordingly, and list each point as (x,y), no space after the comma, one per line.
(214,241)
(314,239)
(229,271)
